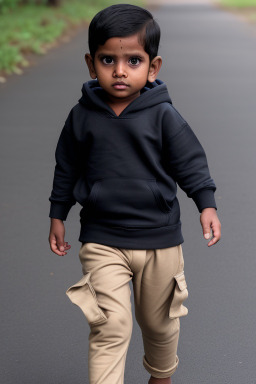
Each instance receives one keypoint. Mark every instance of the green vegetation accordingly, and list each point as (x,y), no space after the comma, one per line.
(5,5)
(245,8)
(239,3)
(32,27)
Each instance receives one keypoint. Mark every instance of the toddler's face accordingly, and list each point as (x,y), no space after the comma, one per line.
(122,68)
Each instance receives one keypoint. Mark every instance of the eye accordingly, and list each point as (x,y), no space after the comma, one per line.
(134,61)
(107,60)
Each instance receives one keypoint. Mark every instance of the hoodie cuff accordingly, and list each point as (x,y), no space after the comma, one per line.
(204,198)
(59,211)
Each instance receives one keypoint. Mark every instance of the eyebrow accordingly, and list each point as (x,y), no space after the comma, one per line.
(103,54)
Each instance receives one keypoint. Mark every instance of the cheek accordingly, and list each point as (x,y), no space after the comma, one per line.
(142,75)
(143,69)
(105,73)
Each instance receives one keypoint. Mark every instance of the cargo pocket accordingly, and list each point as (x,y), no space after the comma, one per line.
(83,295)
(180,293)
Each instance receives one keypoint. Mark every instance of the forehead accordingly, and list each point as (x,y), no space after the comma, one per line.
(128,44)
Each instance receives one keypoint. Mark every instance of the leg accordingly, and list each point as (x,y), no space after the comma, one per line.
(154,380)
(111,328)
(158,306)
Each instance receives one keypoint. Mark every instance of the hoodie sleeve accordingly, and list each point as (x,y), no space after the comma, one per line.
(186,162)
(66,173)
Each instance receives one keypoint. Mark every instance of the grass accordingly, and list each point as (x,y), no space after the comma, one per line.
(245,8)
(34,28)
(239,3)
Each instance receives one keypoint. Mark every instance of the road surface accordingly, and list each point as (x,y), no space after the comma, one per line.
(209,66)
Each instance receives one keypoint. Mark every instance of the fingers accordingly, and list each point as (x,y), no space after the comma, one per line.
(207,231)
(54,247)
(211,226)
(66,246)
(60,244)
(216,234)
(213,241)
(57,248)
(56,238)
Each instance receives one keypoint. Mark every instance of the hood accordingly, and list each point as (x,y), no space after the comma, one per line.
(153,93)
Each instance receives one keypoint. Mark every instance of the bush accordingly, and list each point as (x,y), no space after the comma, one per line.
(33,28)
(6,5)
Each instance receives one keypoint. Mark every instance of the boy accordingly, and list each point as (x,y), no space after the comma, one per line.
(120,154)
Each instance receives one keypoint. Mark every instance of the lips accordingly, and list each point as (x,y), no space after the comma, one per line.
(120,85)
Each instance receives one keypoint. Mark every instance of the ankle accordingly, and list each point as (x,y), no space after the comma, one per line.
(154,380)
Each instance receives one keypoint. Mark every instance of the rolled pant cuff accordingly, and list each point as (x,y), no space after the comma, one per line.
(158,373)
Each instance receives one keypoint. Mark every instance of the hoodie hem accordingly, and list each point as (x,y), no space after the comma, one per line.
(146,238)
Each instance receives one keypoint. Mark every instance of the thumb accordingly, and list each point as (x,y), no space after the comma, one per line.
(207,231)
(60,243)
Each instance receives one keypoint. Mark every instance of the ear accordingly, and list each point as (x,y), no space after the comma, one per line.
(90,65)
(154,68)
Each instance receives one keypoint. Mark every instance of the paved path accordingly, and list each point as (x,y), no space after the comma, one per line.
(209,66)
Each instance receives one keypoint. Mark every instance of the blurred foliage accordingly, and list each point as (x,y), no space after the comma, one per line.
(5,5)
(239,3)
(32,28)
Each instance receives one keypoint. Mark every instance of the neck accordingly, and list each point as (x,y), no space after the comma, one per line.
(118,105)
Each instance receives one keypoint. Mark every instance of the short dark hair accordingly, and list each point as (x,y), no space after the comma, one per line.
(122,20)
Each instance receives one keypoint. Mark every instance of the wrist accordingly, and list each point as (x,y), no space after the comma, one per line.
(210,209)
(54,220)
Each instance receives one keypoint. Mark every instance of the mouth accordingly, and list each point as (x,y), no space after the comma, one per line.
(120,85)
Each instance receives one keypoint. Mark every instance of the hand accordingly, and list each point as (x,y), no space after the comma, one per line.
(56,238)
(209,221)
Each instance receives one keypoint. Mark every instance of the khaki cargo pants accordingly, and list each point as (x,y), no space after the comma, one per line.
(103,294)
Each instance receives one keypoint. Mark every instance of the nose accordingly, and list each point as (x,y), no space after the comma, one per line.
(119,70)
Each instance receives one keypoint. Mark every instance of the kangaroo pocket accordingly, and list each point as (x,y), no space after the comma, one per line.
(180,293)
(126,202)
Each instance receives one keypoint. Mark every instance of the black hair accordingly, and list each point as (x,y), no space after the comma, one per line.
(122,20)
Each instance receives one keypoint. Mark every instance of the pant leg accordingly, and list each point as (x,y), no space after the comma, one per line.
(159,291)
(105,300)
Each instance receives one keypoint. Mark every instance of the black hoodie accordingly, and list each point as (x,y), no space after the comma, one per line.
(123,169)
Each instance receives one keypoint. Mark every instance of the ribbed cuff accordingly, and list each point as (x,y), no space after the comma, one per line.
(59,210)
(204,198)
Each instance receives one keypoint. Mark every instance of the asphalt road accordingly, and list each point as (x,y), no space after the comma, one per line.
(210,69)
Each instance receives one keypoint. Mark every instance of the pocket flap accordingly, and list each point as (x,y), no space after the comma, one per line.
(181,281)
(80,283)
(180,293)
(83,295)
